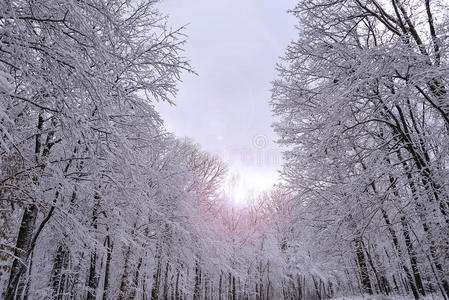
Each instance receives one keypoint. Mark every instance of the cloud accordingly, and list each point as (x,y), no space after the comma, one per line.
(234,46)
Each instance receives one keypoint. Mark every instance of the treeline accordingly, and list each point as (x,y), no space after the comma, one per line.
(364,109)
(97,199)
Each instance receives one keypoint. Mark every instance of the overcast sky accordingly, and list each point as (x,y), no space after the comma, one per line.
(233,45)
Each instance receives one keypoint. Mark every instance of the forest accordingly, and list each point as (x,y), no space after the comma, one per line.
(98,200)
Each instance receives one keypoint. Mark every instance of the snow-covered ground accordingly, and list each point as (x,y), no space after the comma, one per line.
(383,297)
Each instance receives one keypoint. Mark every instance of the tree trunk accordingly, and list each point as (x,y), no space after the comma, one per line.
(26,230)
(364,275)
(177,285)
(197,289)
(132,293)
(165,290)
(399,251)
(109,246)
(234,295)
(412,255)
(124,281)
(156,276)
(92,282)
(421,210)
(22,247)
(58,279)
(220,287)
(298,279)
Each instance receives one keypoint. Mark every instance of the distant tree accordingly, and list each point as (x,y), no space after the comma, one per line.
(78,79)
(364,108)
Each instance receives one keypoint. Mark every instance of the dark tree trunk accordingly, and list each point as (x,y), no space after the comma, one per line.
(197,289)
(399,251)
(317,289)
(108,245)
(220,290)
(156,276)
(132,293)
(177,286)
(124,281)
(25,235)
(165,290)
(421,210)
(21,252)
(24,286)
(230,287)
(92,282)
(299,288)
(380,278)
(412,255)
(234,295)
(58,279)
(364,275)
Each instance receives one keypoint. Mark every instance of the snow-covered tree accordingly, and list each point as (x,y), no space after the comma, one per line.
(364,108)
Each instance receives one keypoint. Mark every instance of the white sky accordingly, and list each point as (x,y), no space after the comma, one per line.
(233,45)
